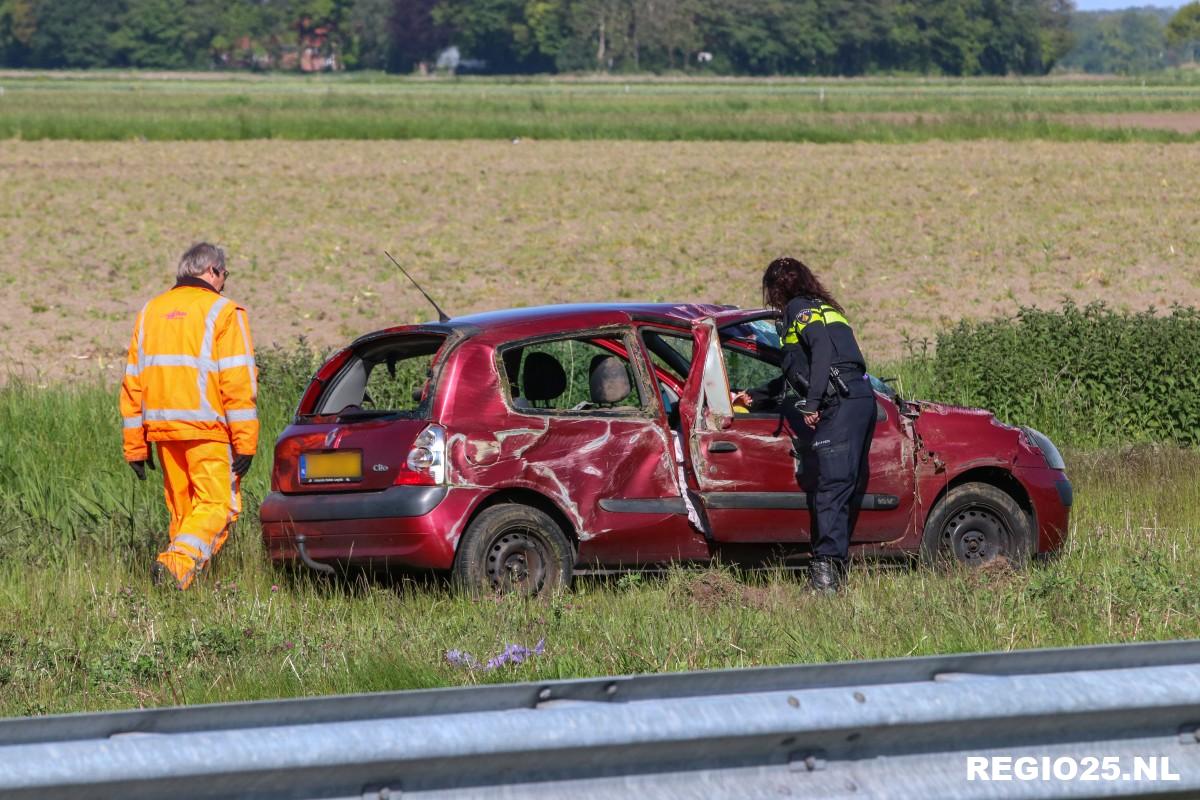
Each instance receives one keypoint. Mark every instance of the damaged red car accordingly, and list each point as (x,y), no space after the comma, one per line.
(516,448)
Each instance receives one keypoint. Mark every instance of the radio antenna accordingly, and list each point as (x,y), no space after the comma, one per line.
(442,316)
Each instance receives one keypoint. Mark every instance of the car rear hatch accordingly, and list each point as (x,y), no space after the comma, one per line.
(365,424)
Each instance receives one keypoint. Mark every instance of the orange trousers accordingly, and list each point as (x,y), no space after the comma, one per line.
(204,499)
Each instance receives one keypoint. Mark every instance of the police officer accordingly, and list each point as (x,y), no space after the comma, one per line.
(824,366)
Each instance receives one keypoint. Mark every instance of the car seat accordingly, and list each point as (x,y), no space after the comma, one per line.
(608,380)
(543,380)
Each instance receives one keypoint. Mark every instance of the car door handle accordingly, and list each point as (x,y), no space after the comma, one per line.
(722,447)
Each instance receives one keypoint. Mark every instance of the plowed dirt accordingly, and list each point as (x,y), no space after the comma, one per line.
(909,237)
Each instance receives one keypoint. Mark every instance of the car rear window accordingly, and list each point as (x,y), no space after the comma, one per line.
(392,377)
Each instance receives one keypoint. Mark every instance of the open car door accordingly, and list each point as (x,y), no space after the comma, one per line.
(753,479)
(744,468)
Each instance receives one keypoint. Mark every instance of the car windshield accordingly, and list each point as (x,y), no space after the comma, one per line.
(761,332)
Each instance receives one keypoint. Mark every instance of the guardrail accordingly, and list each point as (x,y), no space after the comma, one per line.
(911,728)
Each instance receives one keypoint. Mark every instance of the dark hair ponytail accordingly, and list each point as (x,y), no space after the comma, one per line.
(788,278)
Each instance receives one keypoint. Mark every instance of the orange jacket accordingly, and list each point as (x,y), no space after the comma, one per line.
(191,373)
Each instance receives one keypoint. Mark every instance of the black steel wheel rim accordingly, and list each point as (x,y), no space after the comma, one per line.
(976,535)
(516,561)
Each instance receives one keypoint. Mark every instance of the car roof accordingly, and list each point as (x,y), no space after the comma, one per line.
(548,319)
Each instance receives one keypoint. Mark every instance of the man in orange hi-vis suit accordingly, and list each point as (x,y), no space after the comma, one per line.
(190,387)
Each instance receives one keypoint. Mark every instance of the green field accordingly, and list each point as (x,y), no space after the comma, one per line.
(211,107)
(913,230)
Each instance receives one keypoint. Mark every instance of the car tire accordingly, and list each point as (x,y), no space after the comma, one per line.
(974,525)
(513,548)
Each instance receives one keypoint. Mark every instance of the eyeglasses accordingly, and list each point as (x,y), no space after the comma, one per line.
(223,272)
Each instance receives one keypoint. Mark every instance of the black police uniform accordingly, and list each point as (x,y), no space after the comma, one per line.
(817,339)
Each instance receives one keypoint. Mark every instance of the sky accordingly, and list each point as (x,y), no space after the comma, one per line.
(1098,5)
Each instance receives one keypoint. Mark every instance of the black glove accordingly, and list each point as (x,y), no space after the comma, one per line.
(241,464)
(139,467)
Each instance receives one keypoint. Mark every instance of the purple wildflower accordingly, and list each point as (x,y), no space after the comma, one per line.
(460,658)
(511,654)
(516,654)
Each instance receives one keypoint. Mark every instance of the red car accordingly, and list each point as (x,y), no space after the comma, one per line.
(514,448)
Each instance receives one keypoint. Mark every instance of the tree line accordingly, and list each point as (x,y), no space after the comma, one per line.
(1134,41)
(733,37)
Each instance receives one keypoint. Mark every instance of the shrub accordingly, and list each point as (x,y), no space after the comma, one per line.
(1088,376)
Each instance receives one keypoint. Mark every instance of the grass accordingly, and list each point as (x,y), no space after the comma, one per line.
(82,629)
(907,237)
(159,107)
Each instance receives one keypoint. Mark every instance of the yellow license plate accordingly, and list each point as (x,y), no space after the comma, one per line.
(343,466)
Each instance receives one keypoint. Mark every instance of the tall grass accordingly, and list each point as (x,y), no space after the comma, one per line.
(830,111)
(88,632)
(64,486)
(81,627)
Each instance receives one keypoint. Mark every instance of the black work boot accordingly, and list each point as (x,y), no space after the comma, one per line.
(824,575)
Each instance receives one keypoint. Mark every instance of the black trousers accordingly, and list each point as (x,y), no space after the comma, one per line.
(834,470)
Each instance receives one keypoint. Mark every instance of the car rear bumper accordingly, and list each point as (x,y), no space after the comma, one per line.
(411,526)
(1051,494)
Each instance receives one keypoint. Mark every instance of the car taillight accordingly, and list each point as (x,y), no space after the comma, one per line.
(426,462)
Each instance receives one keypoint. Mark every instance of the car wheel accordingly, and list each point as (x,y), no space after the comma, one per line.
(975,524)
(513,548)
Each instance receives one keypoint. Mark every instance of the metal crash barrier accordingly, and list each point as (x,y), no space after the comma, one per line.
(938,726)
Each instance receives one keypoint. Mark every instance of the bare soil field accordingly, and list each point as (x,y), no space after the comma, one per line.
(910,237)
(1177,121)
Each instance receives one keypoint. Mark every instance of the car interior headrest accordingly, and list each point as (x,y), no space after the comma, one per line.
(608,380)
(543,378)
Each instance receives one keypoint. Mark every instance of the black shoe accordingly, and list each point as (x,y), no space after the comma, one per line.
(159,574)
(824,575)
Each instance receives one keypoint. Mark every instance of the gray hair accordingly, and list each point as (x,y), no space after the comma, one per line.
(199,258)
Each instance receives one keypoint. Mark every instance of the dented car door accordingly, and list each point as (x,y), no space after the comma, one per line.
(755,478)
(743,467)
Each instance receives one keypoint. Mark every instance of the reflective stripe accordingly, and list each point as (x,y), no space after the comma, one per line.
(241,318)
(797,330)
(132,369)
(232,362)
(832,315)
(241,414)
(206,349)
(210,326)
(235,507)
(177,361)
(182,415)
(824,314)
(194,542)
(133,422)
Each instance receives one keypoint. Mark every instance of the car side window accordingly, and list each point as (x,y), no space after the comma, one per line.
(571,375)
(746,371)
(670,354)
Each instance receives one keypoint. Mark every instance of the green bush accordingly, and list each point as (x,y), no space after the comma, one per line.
(1087,376)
